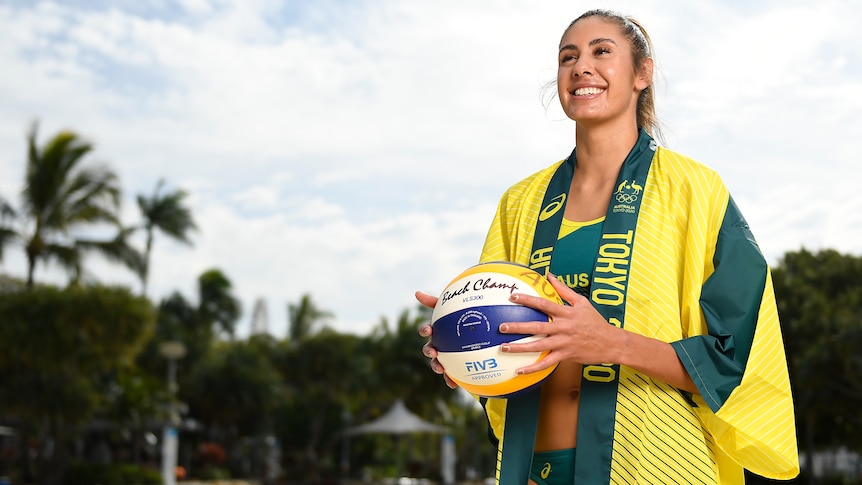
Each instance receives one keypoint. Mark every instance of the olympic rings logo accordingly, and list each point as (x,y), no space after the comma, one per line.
(624,198)
(627,192)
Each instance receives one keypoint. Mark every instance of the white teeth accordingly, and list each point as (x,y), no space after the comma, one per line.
(587,91)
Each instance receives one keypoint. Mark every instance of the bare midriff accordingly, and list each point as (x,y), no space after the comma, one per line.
(558,408)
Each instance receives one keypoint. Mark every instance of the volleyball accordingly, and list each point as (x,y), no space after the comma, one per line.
(466,323)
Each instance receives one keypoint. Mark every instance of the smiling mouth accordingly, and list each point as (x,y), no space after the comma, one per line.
(587,91)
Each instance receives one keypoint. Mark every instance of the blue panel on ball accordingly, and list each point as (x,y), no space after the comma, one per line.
(478,327)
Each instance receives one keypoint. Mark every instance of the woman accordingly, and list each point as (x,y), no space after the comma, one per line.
(671,363)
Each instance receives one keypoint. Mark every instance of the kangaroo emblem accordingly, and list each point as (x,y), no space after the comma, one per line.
(627,192)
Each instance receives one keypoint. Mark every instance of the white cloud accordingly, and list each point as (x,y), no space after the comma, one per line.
(356,151)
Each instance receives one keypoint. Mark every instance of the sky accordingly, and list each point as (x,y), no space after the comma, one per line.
(355,150)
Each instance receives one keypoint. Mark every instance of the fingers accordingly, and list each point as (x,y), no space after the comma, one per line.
(567,294)
(425,299)
(425,330)
(449,382)
(429,351)
(546,306)
(537,366)
(527,328)
(437,367)
(537,345)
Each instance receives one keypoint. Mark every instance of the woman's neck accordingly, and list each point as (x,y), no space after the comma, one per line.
(601,151)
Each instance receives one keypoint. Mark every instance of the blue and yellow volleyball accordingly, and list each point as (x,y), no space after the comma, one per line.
(466,323)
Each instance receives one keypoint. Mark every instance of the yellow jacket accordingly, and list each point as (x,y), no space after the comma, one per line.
(697,280)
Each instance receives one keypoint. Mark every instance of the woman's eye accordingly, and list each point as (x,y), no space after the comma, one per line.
(567,58)
(602,50)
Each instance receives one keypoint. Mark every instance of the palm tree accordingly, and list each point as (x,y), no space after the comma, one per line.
(59,196)
(218,307)
(166,213)
(7,233)
(303,318)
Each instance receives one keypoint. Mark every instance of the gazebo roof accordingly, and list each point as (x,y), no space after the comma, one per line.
(398,420)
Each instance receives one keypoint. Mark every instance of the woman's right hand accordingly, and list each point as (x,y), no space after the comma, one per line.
(425,330)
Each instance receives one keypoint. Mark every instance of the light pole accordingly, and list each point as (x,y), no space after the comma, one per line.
(171,350)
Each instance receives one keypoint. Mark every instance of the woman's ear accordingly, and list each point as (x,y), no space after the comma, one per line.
(643,79)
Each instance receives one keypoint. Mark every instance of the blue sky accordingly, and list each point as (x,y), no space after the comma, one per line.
(356,150)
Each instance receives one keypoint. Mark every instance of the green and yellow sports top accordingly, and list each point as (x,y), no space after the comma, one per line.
(676,262)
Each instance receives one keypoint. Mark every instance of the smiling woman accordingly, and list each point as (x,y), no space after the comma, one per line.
(669,332)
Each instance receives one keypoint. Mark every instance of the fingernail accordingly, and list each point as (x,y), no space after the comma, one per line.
(504,328)
(504,348)
(519,372)
(514,297)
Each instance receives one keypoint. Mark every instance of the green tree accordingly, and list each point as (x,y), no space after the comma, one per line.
(398,358)
(819,298)
(167,213)
(304,319)
(133,400)
(195,325)
(326,376)
(218,308)
(61,196)
(235,387)
(402,372)
(57,351)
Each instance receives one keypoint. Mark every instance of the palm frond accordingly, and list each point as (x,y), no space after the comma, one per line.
(66,256)
(49,169)
(61,194)
(167,213)
(90,196)
(117,250)
(7,236)
(6,209)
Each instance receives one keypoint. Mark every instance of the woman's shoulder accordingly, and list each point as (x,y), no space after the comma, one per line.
(535,181)
(675,165)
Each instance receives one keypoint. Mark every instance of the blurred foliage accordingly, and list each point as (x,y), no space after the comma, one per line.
(819,297)
(61,198)
(83,375)
(63,339)
(111,474)
(166,213)
(304,390)
(59,349)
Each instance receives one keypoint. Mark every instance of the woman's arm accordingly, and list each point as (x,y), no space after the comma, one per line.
(580,333)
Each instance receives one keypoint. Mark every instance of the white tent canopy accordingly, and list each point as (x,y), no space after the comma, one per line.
(398,420)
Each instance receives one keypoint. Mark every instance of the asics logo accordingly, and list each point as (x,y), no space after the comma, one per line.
(553,206)
(546,470)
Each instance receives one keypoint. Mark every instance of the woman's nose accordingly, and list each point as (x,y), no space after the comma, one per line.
(581,68)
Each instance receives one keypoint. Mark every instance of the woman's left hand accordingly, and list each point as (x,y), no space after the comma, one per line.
(577,332)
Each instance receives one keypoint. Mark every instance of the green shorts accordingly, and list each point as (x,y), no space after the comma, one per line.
(553,467)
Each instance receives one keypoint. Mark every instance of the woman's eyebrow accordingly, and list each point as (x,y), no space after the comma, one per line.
(593,42)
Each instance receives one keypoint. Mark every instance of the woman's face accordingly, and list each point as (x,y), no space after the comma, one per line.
(596,80)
